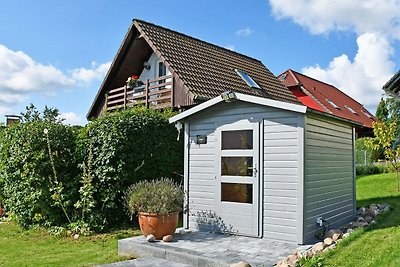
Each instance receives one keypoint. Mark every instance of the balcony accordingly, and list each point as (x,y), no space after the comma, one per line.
(155,93)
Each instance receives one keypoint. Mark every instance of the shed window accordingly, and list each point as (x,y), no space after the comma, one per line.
(246,77)
(332,104)
(237,166)
(241,139)
(242,193)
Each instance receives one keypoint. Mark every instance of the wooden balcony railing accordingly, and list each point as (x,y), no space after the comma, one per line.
(155,93)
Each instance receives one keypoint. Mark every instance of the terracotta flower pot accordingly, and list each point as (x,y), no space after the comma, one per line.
(158,225)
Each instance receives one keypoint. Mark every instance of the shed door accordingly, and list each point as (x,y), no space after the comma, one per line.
(237,182)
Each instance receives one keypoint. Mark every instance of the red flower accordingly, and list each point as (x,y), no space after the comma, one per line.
(135,77)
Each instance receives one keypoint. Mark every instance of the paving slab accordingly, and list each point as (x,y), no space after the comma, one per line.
(145,262)
(200,248)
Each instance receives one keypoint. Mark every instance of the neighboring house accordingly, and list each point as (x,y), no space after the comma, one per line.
(328,99)
(392,87)
(179,71)
(256,157)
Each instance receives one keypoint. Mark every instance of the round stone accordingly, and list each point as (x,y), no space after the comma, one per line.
(167,238)
(151,238)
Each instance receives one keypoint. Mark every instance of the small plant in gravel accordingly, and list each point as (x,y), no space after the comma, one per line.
(305,261)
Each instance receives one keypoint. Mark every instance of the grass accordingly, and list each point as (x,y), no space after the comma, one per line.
(36,247)
(377,245)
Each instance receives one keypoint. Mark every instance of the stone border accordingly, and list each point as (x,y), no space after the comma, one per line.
(366,217)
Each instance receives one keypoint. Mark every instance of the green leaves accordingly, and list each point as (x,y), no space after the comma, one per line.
(93,165)
(386,138)
(26,172)
(160,196)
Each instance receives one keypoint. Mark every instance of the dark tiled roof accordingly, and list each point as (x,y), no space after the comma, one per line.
(321,92)
(208,70)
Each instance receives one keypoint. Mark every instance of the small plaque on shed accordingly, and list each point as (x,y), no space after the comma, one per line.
(201,139)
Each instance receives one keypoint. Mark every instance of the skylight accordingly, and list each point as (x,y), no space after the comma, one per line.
(351,110)
(249,81)
(366,114)
(283,77)
(332,104)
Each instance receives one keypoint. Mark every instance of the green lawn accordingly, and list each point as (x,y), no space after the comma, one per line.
(378,245)
(37,248)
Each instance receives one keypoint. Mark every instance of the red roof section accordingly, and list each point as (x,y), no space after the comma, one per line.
(326,98)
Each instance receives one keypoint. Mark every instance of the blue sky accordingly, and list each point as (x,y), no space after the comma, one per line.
(56,53)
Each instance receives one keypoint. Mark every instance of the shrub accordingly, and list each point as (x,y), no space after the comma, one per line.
(128,146)
(161,196)
(26,172)
(364,154)
(93,166)
(370,169)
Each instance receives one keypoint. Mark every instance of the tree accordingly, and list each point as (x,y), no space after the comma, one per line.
(386,138)
(33,115)
(382,112)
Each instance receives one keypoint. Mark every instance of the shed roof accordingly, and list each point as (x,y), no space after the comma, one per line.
(240,97)
(206,70)
(326,98)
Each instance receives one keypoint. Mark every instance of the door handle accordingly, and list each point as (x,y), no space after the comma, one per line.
(255,171)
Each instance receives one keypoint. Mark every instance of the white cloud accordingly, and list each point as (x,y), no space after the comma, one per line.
(230,47)
(361,78)
(244,32)
(376,23)
(323,16)
(21,75)
(96,72)
(5,110)
(71,118)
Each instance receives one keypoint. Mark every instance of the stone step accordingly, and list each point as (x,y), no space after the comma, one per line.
(200,248)
(145,262)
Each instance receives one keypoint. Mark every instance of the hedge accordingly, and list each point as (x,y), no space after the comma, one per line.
(124,147)
(370,169)
(26,172)
(129,146)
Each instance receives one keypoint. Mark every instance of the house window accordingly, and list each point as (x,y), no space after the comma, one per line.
(248,80)
(351,110)
(162,71)
(332,104)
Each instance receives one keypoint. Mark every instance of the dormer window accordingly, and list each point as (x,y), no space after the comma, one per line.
(247,79)
(351,110)
(332,104)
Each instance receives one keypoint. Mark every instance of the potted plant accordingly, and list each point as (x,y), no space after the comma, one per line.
(133,82)
(157,203)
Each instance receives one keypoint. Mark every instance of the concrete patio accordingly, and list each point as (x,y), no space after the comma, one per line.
(209,249)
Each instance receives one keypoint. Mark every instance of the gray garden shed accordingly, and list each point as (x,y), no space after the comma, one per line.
(268,168)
